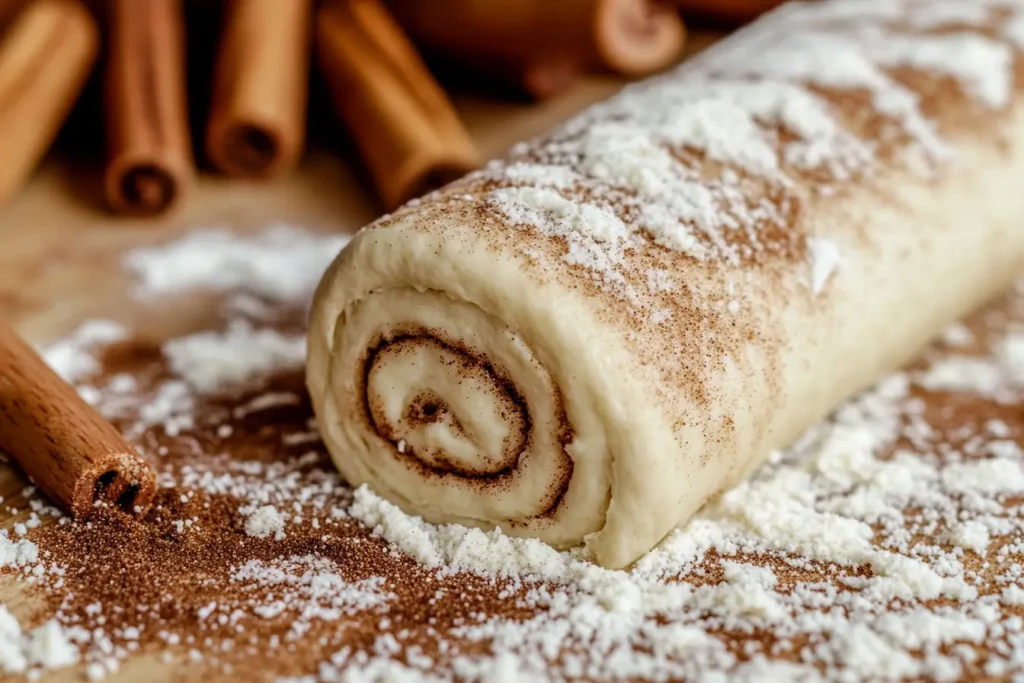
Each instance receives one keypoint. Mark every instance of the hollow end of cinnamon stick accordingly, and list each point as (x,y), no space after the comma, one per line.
(61,443)
(121,480)
(638,37)
(149,143)
(257,122)
(247,149)
(142,188)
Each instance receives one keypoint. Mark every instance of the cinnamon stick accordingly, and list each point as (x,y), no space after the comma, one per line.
(71,453)
(46,54)
(257,121)
(150,163)
(8,10)
(402,122)
(632,37)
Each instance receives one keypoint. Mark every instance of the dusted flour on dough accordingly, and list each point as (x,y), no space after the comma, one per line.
(825,258)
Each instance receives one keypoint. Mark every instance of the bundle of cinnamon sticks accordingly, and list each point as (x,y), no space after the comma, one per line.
(367,52)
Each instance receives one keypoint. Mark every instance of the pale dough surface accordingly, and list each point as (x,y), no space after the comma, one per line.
(463,363)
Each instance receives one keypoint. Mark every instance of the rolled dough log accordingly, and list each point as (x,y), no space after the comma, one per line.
(588,339)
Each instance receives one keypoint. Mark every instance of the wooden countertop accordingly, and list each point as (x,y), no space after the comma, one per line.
(59,250)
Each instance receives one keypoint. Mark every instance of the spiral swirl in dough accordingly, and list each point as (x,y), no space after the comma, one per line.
(470,416)
(443,407)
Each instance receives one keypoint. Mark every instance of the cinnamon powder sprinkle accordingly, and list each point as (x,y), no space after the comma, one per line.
(190,583)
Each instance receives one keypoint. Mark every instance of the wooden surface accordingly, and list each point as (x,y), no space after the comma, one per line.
(60,251)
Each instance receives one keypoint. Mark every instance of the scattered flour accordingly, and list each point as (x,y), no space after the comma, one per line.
(311,587)
(1013,595)
(280,263)
(45,648)
(16,553)
(72,357)
(170,407)
(999,375)
(265,521)
(958,334)
(214,360)
(971,535)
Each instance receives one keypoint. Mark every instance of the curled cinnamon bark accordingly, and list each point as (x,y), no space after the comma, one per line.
(46,54)
(65,447)
(401,120)
(150,162)
(257,121)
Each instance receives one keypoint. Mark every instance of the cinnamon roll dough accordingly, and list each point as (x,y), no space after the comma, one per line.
(588,339)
